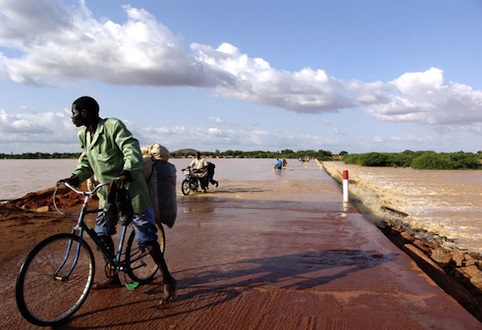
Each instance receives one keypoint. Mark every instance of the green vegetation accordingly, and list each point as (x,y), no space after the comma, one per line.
(40,155)
(421,160)
(287,153)
(415,159)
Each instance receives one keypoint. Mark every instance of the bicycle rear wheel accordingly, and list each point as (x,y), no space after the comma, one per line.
(140,265)
(46,293)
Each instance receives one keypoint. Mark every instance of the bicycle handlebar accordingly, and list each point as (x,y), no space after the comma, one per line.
(80,192)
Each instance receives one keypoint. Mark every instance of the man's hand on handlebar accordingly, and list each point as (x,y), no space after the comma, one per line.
(73,181)
(121,181)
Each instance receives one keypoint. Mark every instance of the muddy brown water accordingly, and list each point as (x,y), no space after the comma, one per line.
(252,255)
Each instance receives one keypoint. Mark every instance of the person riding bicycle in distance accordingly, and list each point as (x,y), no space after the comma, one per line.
(199,167)
(112,154)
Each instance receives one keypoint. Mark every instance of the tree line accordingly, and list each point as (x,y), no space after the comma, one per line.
(407,158)
(286,153)
(420,160)
(184,153)
(41,155)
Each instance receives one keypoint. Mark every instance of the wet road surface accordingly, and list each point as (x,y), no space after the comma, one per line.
(265,261)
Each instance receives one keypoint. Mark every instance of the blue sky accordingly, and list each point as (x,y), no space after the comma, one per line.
(351,75)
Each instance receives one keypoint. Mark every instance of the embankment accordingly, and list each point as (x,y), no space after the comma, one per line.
(457,272)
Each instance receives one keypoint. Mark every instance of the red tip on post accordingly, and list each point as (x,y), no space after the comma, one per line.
(345,175)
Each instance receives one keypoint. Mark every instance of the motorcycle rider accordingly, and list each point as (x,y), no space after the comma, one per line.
(199,166)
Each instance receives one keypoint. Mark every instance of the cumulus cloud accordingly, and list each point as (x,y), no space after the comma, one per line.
(226,138)
(32,128)
(425,97)
(24,123)
(44,42)
(69,43)
(254,80)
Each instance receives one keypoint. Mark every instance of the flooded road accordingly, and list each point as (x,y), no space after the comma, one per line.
(272,253)
(447,203)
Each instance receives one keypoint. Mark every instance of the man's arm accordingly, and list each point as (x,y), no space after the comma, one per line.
(129,147)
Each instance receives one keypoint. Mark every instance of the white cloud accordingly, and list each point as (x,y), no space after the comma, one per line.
(216,120)
(61,44)
(25,123)
(424,97)
(256,81)
(37,131)
(34,131)
(71,44)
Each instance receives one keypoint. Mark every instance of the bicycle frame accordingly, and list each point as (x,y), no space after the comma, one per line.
(67,268)
(81,227)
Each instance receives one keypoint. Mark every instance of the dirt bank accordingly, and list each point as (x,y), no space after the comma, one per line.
(458,273)
(27,220)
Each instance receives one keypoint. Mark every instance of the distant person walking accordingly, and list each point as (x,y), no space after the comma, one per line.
(279,164)
(211,168)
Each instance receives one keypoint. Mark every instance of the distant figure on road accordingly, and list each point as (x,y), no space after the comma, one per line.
(211,168)
(199,167)
(278,165)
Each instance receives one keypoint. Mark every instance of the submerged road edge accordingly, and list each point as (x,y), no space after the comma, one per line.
(456,272)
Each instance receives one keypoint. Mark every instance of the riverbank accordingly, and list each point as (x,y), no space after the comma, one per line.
(458,272)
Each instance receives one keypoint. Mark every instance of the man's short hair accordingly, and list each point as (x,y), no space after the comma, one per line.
(87,103)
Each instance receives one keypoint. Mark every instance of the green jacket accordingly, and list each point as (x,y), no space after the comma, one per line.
(111,150)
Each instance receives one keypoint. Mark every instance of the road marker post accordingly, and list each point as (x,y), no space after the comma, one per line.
(345,186)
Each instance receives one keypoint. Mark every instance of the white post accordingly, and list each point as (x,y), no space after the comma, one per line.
(345,186)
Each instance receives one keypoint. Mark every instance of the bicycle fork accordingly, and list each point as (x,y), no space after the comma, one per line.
(66,257)
(78,228)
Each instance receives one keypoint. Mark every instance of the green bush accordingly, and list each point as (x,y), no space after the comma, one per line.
(351,159)
(417,160)
(446,161)
(373,159)
(430,160)
(463,160)
(400,160)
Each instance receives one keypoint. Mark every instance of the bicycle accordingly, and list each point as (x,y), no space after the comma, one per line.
(57,274)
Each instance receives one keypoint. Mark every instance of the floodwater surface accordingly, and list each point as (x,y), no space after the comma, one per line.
(445,203)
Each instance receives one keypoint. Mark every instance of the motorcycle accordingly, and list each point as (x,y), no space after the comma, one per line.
(190,182)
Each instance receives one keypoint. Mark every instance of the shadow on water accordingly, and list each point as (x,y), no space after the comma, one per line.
(205,287)
(224,190)
(218,284)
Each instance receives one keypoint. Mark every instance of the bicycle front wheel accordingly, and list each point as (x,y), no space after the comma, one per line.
(185,187)
(139,264)
(55,279)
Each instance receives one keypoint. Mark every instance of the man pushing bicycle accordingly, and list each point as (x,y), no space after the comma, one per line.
(112,154)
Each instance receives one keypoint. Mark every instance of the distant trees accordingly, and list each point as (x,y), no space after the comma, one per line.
(418,160)
(286,153)
(452,161)
(407,158)
(40,155)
